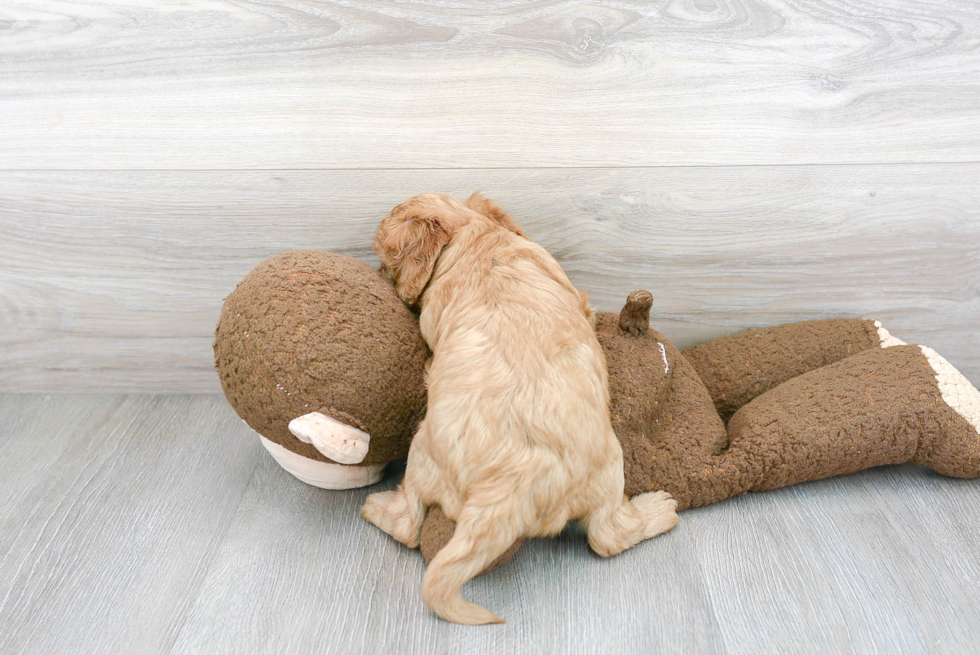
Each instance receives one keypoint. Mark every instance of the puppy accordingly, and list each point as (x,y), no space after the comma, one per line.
(517,438)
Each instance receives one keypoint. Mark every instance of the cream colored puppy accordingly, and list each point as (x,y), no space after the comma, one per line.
(517,438)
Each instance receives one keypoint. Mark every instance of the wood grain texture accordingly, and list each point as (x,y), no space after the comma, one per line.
(751,163)
(157,524)
(116,508)
(378,83)
(36,431)
(939,504)
(113,281)
(300,571)
(849,555)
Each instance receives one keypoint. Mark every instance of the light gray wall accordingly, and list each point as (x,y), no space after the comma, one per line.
(751,164)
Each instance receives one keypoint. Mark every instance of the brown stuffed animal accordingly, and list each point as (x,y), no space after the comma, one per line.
(317,354)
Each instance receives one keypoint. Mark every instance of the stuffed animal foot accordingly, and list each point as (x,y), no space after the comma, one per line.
(397,514)
(885,339)
(956,451)
(342,443)
(325,475)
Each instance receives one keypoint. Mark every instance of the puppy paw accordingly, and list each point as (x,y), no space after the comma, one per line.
(389,511)
(659,511)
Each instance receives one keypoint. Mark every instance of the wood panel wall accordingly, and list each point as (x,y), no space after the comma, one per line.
(751,163)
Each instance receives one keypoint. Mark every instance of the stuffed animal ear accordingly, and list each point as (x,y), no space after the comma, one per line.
(492,210)
(634,319)
(408,243)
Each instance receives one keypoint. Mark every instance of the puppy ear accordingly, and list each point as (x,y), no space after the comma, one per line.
(409,244)
(492,210)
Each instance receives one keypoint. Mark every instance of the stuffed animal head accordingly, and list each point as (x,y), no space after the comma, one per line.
(315,332)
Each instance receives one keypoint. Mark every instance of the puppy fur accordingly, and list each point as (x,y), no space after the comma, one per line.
(517,438)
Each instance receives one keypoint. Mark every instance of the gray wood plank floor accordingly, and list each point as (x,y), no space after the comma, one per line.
(157,524)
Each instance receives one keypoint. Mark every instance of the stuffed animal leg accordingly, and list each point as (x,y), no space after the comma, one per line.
(881,406)
(737,368)
(820,398)
(807,401)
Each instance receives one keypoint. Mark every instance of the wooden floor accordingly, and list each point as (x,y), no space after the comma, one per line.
(158,524)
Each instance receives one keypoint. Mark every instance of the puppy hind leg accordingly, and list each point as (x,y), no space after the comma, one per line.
(482,535)
(614,527)
(400,513)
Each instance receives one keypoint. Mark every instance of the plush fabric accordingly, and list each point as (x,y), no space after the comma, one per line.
(312,331)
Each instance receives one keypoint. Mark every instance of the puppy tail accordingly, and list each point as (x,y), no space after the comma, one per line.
(481,536)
